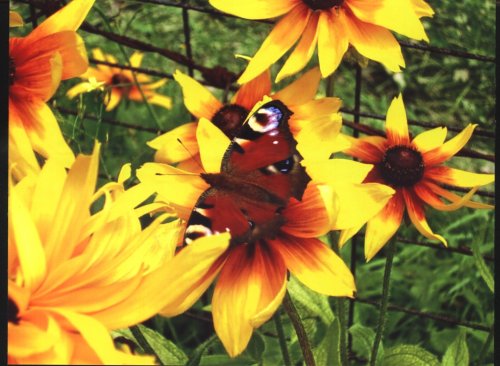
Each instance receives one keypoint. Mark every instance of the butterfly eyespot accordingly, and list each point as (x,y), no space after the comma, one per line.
(266,119)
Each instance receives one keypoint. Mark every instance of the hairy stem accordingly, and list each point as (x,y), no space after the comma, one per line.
(391,249)
(282,340)
(305,346)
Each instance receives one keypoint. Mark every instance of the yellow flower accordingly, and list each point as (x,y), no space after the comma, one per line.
(37,63)
(332,25)
(320,117)
(414,169)
(121,82)
(74,276)
(253,275)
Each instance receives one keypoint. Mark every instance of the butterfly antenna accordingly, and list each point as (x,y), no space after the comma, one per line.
(192,156)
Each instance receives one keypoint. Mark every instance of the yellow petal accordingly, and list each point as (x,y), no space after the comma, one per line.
(213,144)
(301,90)
(28,245)
(369,149)
(22,160)
(192,270)
(15,20)
(396,124)
(170,150)
(422,9)
(316,141)
(458,177)
(161,100)
(73,207)
(337,171)
(416,213)
(449,148)
(454,198)
(426,194)
(358,203)
(114,98)
(78,89)
(347,234)
(197,99)
(136,59)
(254,9)
(303,51)
(174,186)
(249,282)
(316,265)
(332,41)
(374,42)
(430,139)
(281,39)
(397,15)
(47,139)
(67,18)
(384,225)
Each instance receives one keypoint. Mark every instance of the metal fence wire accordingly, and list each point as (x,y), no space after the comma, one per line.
(224,79)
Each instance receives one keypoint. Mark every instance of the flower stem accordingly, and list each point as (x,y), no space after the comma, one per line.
(391,250)
(305,346)
(281,338)
(137,333)
(340,310)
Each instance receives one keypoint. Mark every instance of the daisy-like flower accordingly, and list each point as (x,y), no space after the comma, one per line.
(332,25)
(74,276)
(298,96)
(37,63)
(413,167)
(121,82)
(253,275)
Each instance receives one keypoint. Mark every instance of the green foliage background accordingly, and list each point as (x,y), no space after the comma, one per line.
(442,89)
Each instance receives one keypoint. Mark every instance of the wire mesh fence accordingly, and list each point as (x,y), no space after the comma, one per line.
(222,78)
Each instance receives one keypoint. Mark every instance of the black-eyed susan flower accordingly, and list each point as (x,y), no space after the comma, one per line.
(320,116)
(413,167)
(74,275)
(37,63)
(121,82)
(332,25)
(253,274)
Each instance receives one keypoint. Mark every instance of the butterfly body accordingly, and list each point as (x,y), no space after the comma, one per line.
(260,172)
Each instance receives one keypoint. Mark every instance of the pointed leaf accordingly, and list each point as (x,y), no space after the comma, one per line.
(457,353)
(409,355)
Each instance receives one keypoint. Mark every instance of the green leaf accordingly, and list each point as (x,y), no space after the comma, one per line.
(408,355)
(328,351)
(256,346)
(195,358)
(314,302)
(168,352)
(457,353)
(223,360)
(482,267)
(362,338)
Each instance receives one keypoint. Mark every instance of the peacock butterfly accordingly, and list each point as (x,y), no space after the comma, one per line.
(260,172)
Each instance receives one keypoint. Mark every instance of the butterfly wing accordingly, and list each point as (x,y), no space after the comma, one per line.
(260,171)
(264,153)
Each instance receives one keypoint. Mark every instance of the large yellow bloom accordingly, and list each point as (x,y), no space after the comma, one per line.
(321,115)
(414,169)
(37,63)
(332,25)
(121,82)
(73,275)
(252,276)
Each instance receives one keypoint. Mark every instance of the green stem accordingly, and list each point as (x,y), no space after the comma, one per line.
(294,316)
(137,333)
(391,250)
(282,339)
(340,310)
(484,349)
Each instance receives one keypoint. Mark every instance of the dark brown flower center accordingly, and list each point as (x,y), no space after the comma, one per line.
(230,118)
(12,71)
(12,311)
(323,4)
(120,81)
(402,166)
